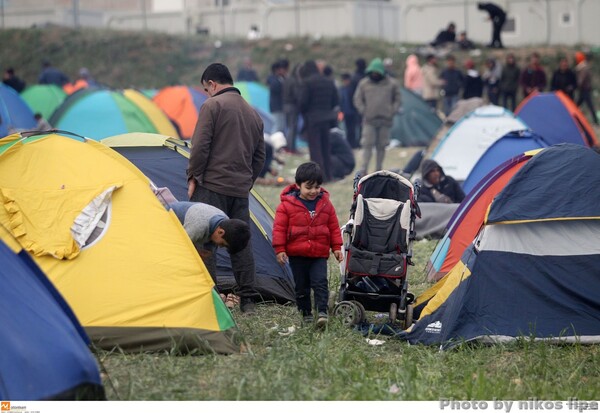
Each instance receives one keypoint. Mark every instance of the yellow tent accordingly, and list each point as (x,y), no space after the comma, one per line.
(121,260)
(158,118)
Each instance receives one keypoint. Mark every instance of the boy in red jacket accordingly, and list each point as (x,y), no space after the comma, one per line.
(305,229)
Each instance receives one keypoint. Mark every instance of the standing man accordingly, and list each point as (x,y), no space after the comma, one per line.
(498,18)
(377,99)
(431,81)
(275,82)
(228,153)
(353,133)
(533,77)
(584,84)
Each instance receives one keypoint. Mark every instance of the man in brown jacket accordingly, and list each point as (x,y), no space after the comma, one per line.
(228,153)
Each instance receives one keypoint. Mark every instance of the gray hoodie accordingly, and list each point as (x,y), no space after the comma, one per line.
(199,220)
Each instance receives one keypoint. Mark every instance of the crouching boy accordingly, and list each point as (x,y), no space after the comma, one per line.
(208,228)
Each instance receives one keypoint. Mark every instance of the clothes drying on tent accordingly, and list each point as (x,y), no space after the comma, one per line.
(44,99)
(505,148)
(469,138)
(532,271)
(121,260)
(165,161)
(554,116)
(469,217)
(44,352)
(97,113)
(15,114)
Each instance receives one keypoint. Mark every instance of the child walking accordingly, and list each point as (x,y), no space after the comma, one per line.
(305,229)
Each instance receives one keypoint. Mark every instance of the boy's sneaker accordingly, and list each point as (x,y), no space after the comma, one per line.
(322,319)
(308,320)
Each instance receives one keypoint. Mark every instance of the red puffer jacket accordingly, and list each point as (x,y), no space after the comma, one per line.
(297,234)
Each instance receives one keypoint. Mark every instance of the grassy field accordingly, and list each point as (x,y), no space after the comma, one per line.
(288,362)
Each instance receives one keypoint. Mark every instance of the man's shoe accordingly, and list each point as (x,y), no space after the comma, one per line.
(322,320)
(247,306)
(308,320)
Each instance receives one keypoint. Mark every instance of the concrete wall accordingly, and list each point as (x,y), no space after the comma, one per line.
(536,22)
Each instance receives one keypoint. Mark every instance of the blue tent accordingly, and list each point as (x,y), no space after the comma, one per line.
(554,116)
(43,348)
(532,271)
(164,161)
(15,114)
(508,146)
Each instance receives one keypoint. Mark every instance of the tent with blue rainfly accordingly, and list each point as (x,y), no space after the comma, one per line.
(468,218)
(44,352)
(508,146)
(15,114)
(125,265)
(554,116)
(98,113)
(532,270)
(164,161)
(470,137)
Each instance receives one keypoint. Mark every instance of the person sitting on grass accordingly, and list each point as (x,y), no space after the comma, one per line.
(305,229)
(437,186)
(208,227)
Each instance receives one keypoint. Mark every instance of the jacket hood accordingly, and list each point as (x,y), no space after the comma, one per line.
(429,165)
(376,66)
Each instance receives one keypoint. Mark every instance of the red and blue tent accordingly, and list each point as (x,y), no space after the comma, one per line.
(554,116)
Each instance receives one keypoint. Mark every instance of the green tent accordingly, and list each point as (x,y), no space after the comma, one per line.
(415,124)
(44,99)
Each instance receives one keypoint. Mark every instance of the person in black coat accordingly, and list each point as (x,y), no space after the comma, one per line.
(12,80)
(318,104)
(342,157)
(437,186)
(447,35)
(564,78)
(498,18)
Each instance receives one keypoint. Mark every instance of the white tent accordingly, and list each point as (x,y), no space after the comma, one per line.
(470,137)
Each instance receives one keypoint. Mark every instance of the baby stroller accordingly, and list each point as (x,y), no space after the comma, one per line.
(377,249)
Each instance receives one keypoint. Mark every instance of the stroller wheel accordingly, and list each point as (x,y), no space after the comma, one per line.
(362,314)
(348,312)
(393,312)
(408,318)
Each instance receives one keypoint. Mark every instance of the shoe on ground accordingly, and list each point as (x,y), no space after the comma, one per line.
(247,306)
(308,320)
(322,320)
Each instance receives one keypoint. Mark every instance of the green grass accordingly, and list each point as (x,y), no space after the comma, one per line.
(338,363)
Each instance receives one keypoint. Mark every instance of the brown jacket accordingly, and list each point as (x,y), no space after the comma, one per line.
(228,148)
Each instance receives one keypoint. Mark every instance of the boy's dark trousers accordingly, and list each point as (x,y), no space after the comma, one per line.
(310,273)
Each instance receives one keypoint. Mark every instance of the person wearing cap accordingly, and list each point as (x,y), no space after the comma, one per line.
(437,186)
(584,84)
(377,99)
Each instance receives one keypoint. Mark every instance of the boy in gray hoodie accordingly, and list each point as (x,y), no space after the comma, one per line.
(208,227)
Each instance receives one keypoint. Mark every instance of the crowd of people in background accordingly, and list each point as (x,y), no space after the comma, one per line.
(497,81)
